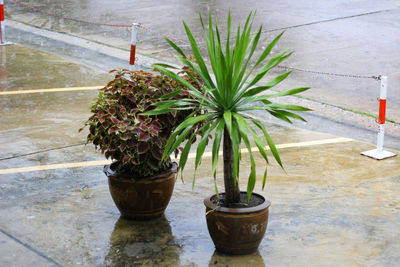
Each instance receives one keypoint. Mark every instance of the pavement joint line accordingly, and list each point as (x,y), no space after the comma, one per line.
(30,248)
(51,90)
(190,156)
(42,151)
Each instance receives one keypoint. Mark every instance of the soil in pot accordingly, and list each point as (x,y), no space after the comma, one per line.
(141,198)
(237,229)
(255,200)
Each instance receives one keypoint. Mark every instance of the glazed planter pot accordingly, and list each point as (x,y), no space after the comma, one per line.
(141,198)
(237,231)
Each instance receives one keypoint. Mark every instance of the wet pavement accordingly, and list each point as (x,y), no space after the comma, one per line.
(331,207)
(344,37)
(41,113)
(349,38)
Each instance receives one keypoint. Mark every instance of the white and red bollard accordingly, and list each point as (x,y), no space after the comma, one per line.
(379,153)
(2,26)
(133,43)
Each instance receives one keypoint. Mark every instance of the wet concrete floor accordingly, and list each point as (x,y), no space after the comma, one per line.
(345,37)
(332,206)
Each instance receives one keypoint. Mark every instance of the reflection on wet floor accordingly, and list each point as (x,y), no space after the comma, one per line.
(18,73)
(142,243)
(254,259)
(3,68)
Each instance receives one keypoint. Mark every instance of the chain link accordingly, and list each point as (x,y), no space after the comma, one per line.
(333,74)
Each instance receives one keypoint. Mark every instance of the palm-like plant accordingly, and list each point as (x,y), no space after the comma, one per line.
(224,98)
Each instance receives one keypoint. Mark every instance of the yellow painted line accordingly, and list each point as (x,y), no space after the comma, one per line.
(316,142)
(56,166)
(191,156)
(51,90)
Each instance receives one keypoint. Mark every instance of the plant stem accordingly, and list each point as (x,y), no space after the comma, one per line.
(232,191)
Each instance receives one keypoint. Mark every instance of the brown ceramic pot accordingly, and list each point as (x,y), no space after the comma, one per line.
(138,198)
(237,231)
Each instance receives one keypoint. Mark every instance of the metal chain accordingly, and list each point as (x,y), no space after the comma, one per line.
(324,21)
(184,44)
(333,74)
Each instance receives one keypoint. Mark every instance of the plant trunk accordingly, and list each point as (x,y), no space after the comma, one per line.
(232,191)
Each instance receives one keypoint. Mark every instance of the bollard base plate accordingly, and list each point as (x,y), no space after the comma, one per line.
(378,155)
(5,43)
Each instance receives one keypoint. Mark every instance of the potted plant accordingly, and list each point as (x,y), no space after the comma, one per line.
(236,220)
(140,180)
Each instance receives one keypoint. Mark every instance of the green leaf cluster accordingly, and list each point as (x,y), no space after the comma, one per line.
(228,88)
(118,128)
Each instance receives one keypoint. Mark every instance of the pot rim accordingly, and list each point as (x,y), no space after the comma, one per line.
(209,204)
(111,174)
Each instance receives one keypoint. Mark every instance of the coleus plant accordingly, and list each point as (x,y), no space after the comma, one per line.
(119,129)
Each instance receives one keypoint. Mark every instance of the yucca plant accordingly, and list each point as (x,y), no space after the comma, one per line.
(224,97)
